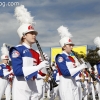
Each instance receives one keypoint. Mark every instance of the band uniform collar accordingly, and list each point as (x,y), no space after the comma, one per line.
(26,45)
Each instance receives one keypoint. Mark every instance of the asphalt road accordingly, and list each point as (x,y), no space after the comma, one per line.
(3,98)
(89,98)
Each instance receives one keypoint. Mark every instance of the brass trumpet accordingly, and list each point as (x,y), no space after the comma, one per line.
(46,78)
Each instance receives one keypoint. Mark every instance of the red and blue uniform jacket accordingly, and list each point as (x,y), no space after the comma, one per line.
(66,65)
(24,61)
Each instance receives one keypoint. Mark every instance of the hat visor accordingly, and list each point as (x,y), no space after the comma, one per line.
(70,44)
(5,59)
(35,32)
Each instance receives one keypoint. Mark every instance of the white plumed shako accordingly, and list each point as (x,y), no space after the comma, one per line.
(25,28)
(4,52)
(4,57)
(98,52)
(65,36)
(97,42)
(26,21)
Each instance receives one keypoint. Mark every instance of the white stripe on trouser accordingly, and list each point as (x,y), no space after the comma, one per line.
(80,89)
(24,90)
(8,92)
(48,89)
(98,89)
(85,92)
(93,92)
(40,87)
(68,89)
(55,93)
(3,85)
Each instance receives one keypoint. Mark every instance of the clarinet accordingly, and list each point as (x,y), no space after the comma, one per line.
(81,62)
(52,81)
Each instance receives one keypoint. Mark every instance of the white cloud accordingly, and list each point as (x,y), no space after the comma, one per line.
(8,23)
(81,17)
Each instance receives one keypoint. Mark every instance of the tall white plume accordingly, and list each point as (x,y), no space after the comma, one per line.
(23,16)
(63,32)
(97,42)
(4,50)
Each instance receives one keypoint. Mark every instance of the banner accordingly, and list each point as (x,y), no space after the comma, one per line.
(79,49)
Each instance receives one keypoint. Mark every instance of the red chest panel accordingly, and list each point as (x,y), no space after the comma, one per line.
(72,59)
(8,67)
(36,56)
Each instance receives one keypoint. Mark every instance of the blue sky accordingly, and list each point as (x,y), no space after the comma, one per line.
(82,17)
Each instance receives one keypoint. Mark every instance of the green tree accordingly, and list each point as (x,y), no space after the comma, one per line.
(91,57)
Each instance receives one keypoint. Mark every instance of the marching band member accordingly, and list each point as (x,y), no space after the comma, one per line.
(97,67)
(79,80)
(68,89)
(55,75)
(5,72)
(85,92)
(40,83)
(91,83)
(25,61)
(48,88)
(8,90)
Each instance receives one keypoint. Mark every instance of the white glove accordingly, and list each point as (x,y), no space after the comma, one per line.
(73,71)
(44,70)
(44,64)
